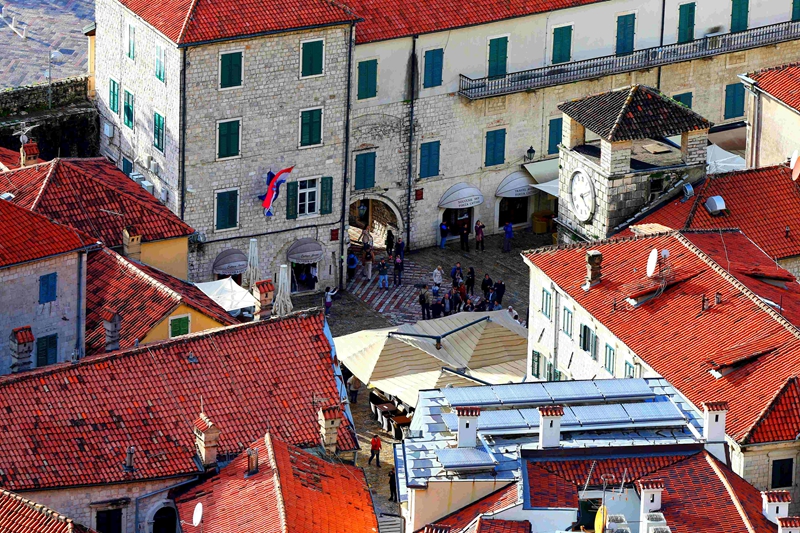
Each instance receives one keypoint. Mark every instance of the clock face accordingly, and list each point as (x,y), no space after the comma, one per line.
(582,196)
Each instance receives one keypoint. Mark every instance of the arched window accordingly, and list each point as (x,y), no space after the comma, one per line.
(165,520)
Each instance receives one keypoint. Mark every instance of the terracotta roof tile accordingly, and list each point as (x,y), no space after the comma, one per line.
(21,515)
(774,496)
(489,525)
(9,159)
(550,490)
(292,491)
(781,82)
(70,423)
(468,411)
(23,334)
(789,521)
(551,410)
(715,406)
(461,519)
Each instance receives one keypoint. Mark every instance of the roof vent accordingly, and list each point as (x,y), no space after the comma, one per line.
(715,205)
(688,191)
(252,462)
(7,196)
(661,529)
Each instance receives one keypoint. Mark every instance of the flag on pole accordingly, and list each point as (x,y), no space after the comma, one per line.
(274,182)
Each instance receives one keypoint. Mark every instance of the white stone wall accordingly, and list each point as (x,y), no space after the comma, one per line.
(792,264)
(767,143)
(19,292)
(754,463)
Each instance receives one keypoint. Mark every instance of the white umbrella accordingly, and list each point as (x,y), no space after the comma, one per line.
(252,274)
(282,305)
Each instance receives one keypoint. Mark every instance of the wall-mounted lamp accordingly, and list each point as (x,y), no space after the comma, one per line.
(529,154)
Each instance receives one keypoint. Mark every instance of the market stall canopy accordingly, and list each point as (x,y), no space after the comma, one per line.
(550,187)
(515,185)
(230,262)
(305,251)
(461,196)
(228,294)
(543,171)
(719,160)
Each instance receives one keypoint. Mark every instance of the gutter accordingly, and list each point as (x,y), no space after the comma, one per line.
(348,108)
(81,322)
(153,493)
(182,147)
(661,39)
(413,82)
(351,22)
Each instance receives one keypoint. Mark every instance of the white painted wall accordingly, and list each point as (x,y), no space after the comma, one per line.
(443,497)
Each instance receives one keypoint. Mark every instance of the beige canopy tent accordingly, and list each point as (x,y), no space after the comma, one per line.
(490,347)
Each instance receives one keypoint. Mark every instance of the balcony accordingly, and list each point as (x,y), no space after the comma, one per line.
(538,78)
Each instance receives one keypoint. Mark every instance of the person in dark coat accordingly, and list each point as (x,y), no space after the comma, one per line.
(392,485)
(470,281)
(464,234)
(500,289)
(437,309)
(389,242)
(443,230)
(455,300)
(456,274)
(397,279)
(486,284)
(400,248)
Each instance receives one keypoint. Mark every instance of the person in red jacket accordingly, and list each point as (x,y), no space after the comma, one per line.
(375,450)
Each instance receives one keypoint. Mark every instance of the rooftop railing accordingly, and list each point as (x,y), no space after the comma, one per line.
(710,45)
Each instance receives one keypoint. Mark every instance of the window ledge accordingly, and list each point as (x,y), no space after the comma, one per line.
(301,147)
(312,76)
(222,89)
(310,215)
(227,230)
(229,158)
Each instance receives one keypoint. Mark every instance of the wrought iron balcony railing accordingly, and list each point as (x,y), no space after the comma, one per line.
(587,69)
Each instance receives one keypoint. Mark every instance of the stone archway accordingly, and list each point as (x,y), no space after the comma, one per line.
(377,211)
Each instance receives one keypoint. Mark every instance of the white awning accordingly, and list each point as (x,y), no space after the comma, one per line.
(230,262)
(228,294)
(543,171)
(551,187)
(719,160)
(461,196)
(515,185)
(305,251)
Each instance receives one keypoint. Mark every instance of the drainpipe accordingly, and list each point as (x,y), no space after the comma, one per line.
(153,493)
(81,309)
(411,137)
(182,169)
(346,154)
(661,40)
(556,328)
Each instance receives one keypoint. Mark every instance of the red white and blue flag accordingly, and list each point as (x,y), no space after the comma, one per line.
(274,182)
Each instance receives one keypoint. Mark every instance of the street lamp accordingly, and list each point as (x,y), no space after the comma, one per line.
(53,57)
(529,154)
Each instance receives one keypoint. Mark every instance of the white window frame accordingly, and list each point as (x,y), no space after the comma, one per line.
(552,40)
(163,149)
(777,456)
(238,210)
(324,47)
(317,198)
(176,317)
(635,13)
(219,70)
(488,41)
(216,143)
(128,27)
(300,128)
(163,50)
(122,91)
(613,369)
(120,96)
(564,311)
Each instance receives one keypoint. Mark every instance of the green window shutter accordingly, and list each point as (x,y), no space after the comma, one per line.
(626,27)
(46,350)
(313,53)
(554,135)
(365,171)
(291,200)
(367,79)
(686,23)
(179,326)
(433,68)
(562,44)
(113,96)
(127,112)
(158,131)
(734,100)
(230,70)
(131,42)
(429,159)
(311,127)
(536,363)
(227,209)
(47,288)
(228,139)
(495,147)
(160,69)
(684,98)
(739,11)
(326,195)
(127,166)
(498,57)
(795,10)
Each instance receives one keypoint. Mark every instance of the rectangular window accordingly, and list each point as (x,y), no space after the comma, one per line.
(127,111)
(434,61)
(610,359)
(734,100)
(536,363)
(795,10)
(311,127)
(686,23)
(326,195)
(131,41)
(160,68)
(782,470)
(495,147)
(178,326)
(626,28)
(588,341)
(684,98)
(629,370)
(113,96)
(429,159)
(547,301)
(158,132)
(228,139)
(365,171)
(109,521)
(549,371)
(312,54)
(46,350)
(48,285)
(566,322)
(367,79)
(227,209)
(307,197)
(230,70)
(498,57)
(554,135)
(127,166)
(562,44)
(739,12)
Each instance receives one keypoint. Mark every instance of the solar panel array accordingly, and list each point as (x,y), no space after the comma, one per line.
(464,458)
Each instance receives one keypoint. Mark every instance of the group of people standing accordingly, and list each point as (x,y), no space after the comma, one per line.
(462,230)
(436,301)
(394,262)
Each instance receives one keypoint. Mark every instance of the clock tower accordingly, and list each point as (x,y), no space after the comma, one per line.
(615,161)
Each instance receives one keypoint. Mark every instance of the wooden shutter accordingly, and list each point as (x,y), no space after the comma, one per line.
(113,96)
(47,287)
(326,195)
(734,100)
(795,10)
(231,70)
(684,98)
(686,23)
(626,25)
(228,139)
(498,57)
(562,44)
(536,362)
(222,211)
(554,135)
(433,68)
(233,208)
(360,162)
(429,159)
(316,126)
(369,178)
(367,79)
(312,58)
(739,11)
(179,326)
(291,200)
(46,350)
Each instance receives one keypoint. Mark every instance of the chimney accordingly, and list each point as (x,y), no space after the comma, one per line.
(650,495)
(468,426)
(21,343)
(206,439)
(593,266)
(330,418)
(433,528)
(128,465)
(264,291)
(550,426)
(775,504)
(111,323)
(131,243)
(28,154)
(714,414)
(252,462)
(789,524)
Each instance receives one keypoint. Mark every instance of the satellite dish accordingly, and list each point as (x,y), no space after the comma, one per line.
(795,172)
(665,253)
(652,261)
(197,515)
(793,160)
(23,138)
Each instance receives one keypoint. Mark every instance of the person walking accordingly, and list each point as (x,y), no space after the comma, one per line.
(462,291)
(508,234)
(479,227)
(455,300)
(389,242)
(492,299)
(456,274)
(352,263)
(425,301)
(368,258)
(486,284)
(353,384)
(464,235)
(398,271)
(443,230)
(437,276)
(383,274)
(500,290)
(437,309)
(375,450)
(392,485)
(447,304)
(400,248)
(329,294)
(470,281)
(366,237)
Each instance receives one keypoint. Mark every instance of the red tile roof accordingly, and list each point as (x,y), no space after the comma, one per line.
(650,484)
(715,406)
(774,496)
(789,521)
(293,491)
(468,411)
(551,410)
(761,202)
(549,490)
(497,500)
(9,158)
(23,334)
(780,82)
(674,323)
(70,424)
(27,236)
(94,196)
(21,515)
(488,525)
(143,296)
(188,22)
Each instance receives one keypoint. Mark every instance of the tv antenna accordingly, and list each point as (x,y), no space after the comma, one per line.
(23,132)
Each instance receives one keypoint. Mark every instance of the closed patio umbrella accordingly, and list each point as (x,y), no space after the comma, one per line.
(282,305)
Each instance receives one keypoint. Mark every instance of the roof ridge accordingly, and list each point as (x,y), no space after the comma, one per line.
(38,507)
(185,25)
(732,493)
(589,244)
(631,92)
(769,69)
(768,408)
(276,476)
(44,183)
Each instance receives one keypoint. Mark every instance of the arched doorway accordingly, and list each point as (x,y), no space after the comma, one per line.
(165,520)
(380,215)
